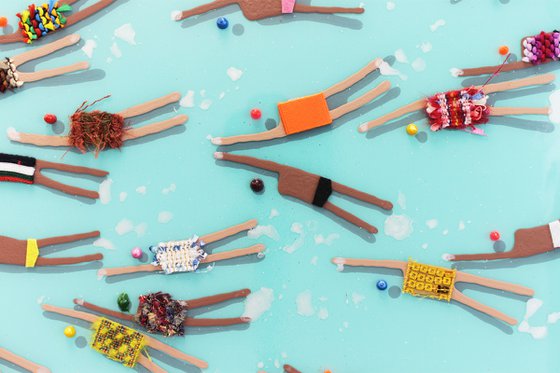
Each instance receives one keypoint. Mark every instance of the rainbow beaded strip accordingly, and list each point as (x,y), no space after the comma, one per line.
(179,256)
(117,342)
(9,79)
(539,48)
(457,109)
(423,280)
(39,20)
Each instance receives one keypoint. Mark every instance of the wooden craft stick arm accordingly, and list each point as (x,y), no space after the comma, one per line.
(302,8)
(41,165)
(59,240)
(126,270)
(361,101)
(160,346)
(354,193)
(250,161)
(220,235)
(70,313)
(255,249)
(501,111)
(42,261)
(45,74)
(150,105)
(150,365)
(461,298)
(153,128)
(41,140)
(216,4)
(105,311)
(215,299)
(70,190)
(415,106)
(45,50)
(494,284)
(274,133)
(519,83)
(486,256)
(350,81)
(87,12)
(21,362)
(393,264)
(492,69)
(329,206)
(200,322)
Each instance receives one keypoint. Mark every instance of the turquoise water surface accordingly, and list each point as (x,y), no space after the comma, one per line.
(454,187)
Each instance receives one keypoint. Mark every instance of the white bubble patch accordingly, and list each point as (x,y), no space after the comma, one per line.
(554,115)
(258,303)
(126,33)
(264,230)
(398,226)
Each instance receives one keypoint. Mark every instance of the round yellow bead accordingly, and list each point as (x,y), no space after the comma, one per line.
(70,331)
(411,129)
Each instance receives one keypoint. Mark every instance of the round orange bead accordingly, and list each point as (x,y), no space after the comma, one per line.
(3,21)
(503,50)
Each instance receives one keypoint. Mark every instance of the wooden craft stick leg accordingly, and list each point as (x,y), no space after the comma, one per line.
(150,105)
(519,83)
(255,249)
(43,262)
(126,270)
(393,264)
(11,38)
(21,362)
(66,239)
(349,217)
(461,298)
(197,322)
(301,8)
(150,365)
(104,311)
(87,12)
(354,193)
(415,106)
(73,191)
(275,133)
(220,235)
(501,111)
(39,140)
(160,346)
(492,69)
(216,4)
(250,161)
(360,101)
(215,299)
(45,74)
(45,50)
(349,82)
(153,128)
(41,165)
(494,284)
(486,256)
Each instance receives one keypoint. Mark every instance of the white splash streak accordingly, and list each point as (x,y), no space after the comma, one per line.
(305,304)
(264,230)
(554,114)
(401,56)
(419,64)
(12,134)
(386,69)
(296,228)
(104,243)
(273,213)
(258,303)
(437,24)
(426,47)
(105,191)
(124,226)
(126,33)
(142,190)
(401,200)
(205,105)
(357,298)
(165,217)
(455,72)
(390,5)
(398,226)
(537,332)
(553,317)
(322,240)
(188,100)
(169,189)
(88,47)
(432,223)
(176,15)
(234,73)
(323,313)
(461,226)
(116,51)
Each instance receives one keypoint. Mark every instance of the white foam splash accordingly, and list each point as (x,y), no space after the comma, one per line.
(140,229)
(401,56)
(401,200)
(258,303)
(105,191)
(273,213)
(304,304)
(398,226)
(188,100)
(124,226)
(437,24)
(432,223)
(205,105)
(297,228)
(323,313)
(419,64)
(386,69)
(461,226)
(176,15)
(88,47)
(116,51)
(314,260)
(424,246)
(322,240)
(340,262)
(169,189)
(142,190)
(426,47)
(234,73)
(122,196)
(41,299)
(445,232)
(126,33)
(165,217)
(553,317)
(264,230)
(448,257)
(554,99)
(390,5)
(455,72)
(12,134)
(104,244)
(537,332)
(357,298)
(533,305)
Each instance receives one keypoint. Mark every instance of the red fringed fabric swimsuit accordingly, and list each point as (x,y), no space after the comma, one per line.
(459,110)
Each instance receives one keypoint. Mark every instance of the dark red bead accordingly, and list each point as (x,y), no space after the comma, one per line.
(494,235)
(50,118)
(257,185)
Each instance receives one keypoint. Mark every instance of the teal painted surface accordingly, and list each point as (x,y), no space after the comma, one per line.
(504,181)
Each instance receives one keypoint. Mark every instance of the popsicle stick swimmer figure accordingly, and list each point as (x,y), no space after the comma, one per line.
(536,50)
(310,188)
(22,362)
(27,252)
(528,242)
(439,283)
(27,170)
(255,10)
(99,130)
(130,348)
(185,256)
(11,78)
(159,313)
(38,21)
(310,112)
(466,108)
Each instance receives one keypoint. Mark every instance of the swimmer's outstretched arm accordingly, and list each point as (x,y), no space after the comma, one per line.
(21,362)
(250,161)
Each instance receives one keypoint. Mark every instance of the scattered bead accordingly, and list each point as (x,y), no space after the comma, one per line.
(412,129)
(3,22)
(257,185)
(503,50)
(136,253)
(381,284)
(123,301)
(50,118)
(70,331)
(222,23)
(256,114)
(328,371)
(494,235)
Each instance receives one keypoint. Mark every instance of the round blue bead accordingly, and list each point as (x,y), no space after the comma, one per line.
(381,285)
(222,23)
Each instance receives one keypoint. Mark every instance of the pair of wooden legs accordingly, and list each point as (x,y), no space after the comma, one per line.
(151,342)
(130,134)
(490,88)
(456,294)
(336,113)
(209,238)
(21,362)
(42,261)
(70,20)
(188,304)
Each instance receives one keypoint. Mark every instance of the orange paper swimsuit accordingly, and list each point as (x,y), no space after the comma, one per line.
(304,113)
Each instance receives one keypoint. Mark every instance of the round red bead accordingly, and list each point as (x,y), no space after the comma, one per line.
(256,114)
(50,118)
(494,235)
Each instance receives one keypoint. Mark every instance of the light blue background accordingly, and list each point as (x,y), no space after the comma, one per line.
(504,181)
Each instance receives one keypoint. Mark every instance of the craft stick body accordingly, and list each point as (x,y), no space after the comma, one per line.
(187,255)
(310,112)
(535,51)
(99,130)
(310,188)
(11,78)
(27,170)
(159,313)
(466,108)
(21,362)
(27,34)
(255,10)
(439,283)
(141,339)
(527,242)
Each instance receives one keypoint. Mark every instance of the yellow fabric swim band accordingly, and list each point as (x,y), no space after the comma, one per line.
(118,342)
(32,253)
